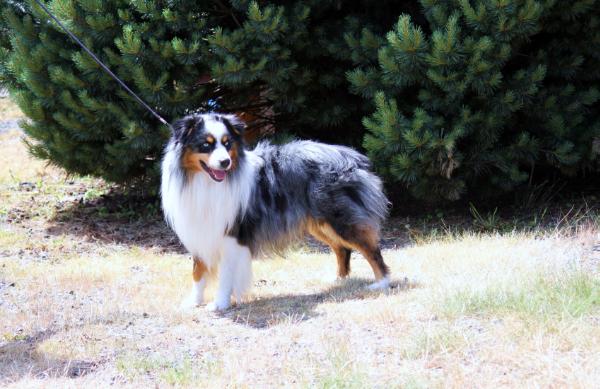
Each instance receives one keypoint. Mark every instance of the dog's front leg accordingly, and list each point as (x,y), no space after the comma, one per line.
(196,296)
(235,274)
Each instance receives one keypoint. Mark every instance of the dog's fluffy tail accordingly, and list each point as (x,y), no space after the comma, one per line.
(371,194)
(347,191)
(368,187)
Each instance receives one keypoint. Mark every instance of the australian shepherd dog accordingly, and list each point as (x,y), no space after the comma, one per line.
(227,204)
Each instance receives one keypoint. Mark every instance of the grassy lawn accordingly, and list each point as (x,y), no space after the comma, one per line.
(89,295)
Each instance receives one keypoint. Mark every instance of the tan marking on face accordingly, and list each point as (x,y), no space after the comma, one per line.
(191,160)
(233,155)
(224,139)
(210,139)
(199,270)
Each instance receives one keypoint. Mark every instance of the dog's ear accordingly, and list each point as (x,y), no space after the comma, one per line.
(185,126)
(234,124)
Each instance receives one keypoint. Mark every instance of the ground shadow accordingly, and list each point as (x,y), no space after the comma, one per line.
(20,358)
(116,218)
(290,308)
(135,220)
(130,219)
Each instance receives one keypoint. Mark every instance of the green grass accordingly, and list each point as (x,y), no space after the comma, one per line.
(568,295)
(339,370)
(433,338)
(167,370)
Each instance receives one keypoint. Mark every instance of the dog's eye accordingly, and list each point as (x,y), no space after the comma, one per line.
(206,144)
(226,143)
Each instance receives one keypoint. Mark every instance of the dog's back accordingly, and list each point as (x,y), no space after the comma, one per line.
(326,190)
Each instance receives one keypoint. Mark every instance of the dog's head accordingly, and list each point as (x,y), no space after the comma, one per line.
(212,144)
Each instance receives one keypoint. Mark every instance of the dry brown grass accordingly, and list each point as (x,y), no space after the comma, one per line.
(83,306)
(9,110)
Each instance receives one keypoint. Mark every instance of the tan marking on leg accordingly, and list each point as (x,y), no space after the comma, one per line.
(325,233)
(343,260)
(368,234)
(329,237)
(199,270)
(376,261)
(365,240)
(367,243)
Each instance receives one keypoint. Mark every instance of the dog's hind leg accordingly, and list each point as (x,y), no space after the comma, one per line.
(327,236)
(379,267)
(366,240)
(199,275)
(343,260)
(235,274)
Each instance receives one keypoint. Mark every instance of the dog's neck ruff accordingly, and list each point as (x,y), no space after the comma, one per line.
(200,210)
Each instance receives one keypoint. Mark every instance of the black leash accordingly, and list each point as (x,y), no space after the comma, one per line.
(106,69)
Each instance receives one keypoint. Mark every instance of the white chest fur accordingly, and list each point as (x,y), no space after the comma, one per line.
(202,210)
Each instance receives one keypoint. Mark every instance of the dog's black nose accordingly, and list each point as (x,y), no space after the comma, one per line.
(225,163)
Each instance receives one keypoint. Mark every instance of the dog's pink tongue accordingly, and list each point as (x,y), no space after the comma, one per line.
(219,174)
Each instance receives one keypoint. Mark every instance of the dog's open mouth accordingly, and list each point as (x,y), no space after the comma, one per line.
(215,174)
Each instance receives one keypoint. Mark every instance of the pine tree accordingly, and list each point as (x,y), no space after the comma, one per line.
(282,66)
(456,96)
(81,119)
(289,59)
(483,96)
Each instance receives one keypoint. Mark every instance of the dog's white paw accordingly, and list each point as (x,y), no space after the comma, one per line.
(216,306)
(382,284)
(190,302)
